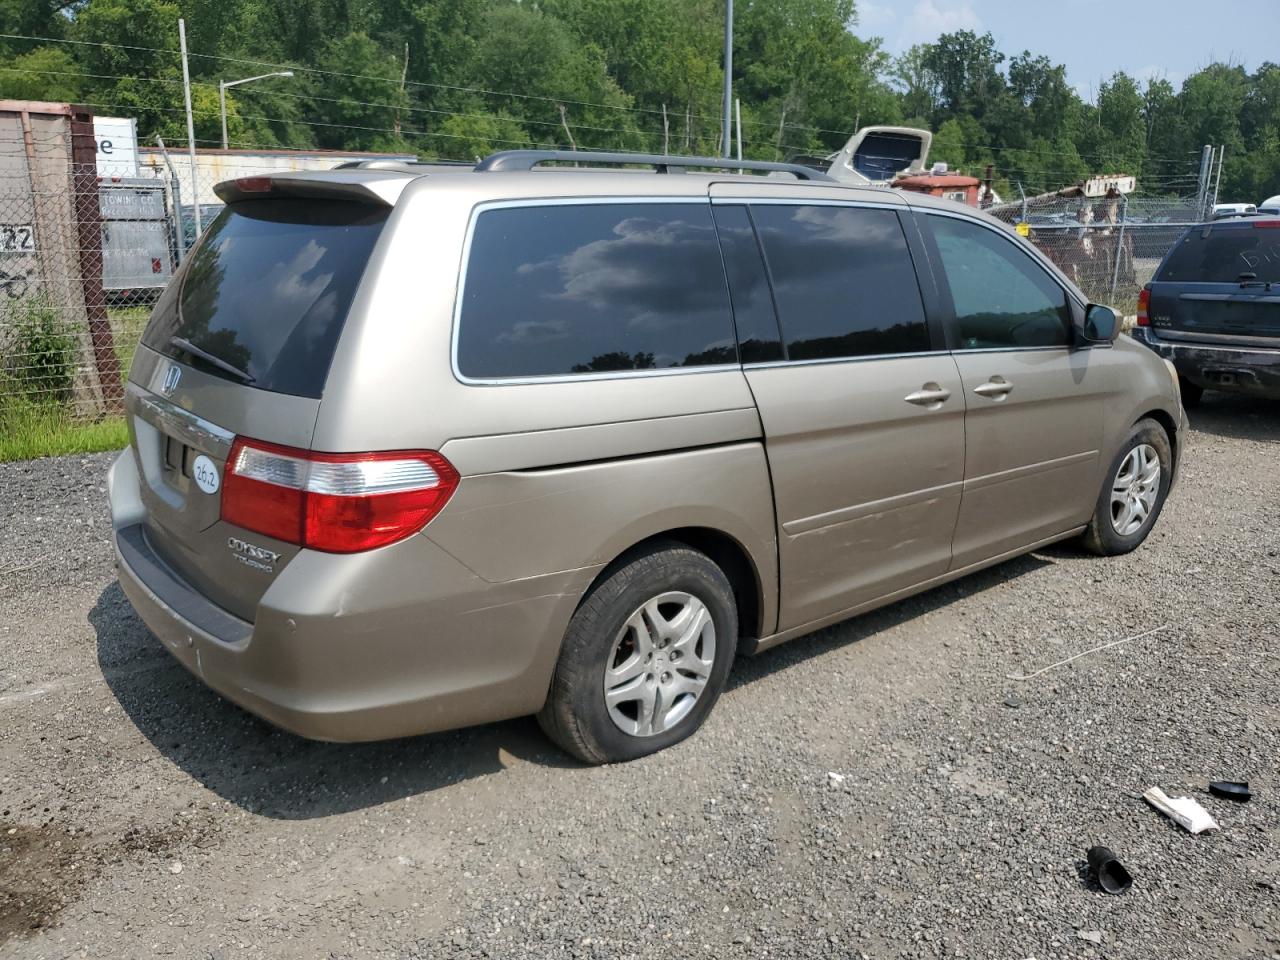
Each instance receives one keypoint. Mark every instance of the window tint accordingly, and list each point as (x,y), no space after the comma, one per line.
(758,338)
(1225,254)
(843,281)
(1002,297)
(268,289)
(594,287)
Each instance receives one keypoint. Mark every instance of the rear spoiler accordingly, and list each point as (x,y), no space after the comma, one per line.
(379,187)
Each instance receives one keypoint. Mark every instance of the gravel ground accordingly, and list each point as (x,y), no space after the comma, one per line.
(140,815)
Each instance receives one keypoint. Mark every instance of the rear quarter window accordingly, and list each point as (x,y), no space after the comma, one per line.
(571,289)
(1221,254)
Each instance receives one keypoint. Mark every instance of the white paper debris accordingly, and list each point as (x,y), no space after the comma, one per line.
(1181,810)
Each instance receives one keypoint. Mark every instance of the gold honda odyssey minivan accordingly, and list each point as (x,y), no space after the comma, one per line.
(415,447)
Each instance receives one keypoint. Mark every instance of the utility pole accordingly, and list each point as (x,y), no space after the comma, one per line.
(564,122)
(737,112)
(726,140)
(1222,155)
(404,76)
(191,126)
(1202,183)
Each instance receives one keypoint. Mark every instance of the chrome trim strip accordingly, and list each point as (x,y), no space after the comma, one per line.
(1065,348)
(1177,336)
(1017,473)
(771,364)
(183,422)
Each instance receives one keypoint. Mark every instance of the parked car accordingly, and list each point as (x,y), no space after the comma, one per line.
(1213,308)
(1271,205)
(1221,210)
(419,452)
(208,213)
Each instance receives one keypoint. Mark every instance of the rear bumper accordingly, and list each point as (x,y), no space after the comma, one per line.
(330,656)
(1236,369)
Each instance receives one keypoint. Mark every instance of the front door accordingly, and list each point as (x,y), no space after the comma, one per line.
(1035,403)
(862,409)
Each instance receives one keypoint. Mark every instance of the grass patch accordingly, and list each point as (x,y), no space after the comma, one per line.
(41,423)
(126,331)
(29,430)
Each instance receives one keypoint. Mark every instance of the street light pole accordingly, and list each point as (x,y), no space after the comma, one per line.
(223,85)
(725,139)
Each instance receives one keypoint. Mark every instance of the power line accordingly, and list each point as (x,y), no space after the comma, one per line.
(493,93)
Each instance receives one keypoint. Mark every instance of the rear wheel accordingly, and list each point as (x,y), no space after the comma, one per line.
(645,657)
(1191,393)
(1134,493)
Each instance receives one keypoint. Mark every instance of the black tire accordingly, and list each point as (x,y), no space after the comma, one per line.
(1191,393)
(1102,537)
(576,716)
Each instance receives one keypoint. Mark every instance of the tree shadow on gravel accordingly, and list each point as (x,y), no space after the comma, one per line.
(748,669)
(277,774)
(1237,417)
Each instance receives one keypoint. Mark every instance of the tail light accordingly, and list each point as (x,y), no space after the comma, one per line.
(254,184)
(1144,302)
(335,502)
(156,266)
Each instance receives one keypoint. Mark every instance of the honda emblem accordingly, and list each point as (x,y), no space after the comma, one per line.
(171,379)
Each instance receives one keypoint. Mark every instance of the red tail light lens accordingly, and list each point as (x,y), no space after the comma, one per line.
(254,184)
(335,502)
(1144,301)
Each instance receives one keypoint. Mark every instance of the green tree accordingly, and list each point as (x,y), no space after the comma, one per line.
(45,73)
(359,102)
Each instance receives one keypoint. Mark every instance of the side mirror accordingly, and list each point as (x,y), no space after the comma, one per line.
(1101,325)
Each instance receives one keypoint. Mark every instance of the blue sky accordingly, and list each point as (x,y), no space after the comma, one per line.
(1094,38)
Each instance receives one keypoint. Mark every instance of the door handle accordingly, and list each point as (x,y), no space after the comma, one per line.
(930,395)
(997,388)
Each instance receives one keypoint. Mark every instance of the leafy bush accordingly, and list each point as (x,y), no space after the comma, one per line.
(42,351)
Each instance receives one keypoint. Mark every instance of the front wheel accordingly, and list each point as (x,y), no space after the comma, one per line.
(1134,493)
(645,657)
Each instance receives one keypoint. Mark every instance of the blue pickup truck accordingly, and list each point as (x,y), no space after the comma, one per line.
(1213,308)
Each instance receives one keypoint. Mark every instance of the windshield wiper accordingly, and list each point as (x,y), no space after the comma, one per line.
(187,346)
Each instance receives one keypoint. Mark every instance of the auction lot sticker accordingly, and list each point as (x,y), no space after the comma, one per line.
(205,474)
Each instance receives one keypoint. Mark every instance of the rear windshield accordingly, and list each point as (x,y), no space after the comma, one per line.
(1226,255)
(881,155)
(267,291)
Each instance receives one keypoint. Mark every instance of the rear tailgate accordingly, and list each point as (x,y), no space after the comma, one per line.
(1221,284)
(240,344)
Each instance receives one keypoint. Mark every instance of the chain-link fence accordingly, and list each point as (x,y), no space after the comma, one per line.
(83,256)
(1110,249)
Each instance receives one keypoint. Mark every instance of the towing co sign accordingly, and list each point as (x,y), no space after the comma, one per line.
(117,140)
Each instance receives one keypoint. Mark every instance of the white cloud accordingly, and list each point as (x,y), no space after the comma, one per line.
(874,19)
(928,19)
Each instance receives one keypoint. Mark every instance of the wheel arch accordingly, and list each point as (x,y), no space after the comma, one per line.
(1162,417)
(727,552)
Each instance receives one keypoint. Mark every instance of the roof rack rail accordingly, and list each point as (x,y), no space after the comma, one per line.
(404,166)
(528,159)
